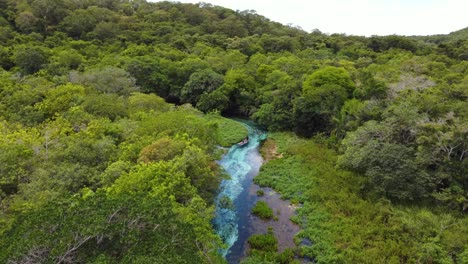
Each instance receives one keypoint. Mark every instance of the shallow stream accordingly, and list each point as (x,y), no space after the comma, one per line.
(235,223)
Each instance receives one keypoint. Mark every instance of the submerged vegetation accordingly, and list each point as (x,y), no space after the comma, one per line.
(109,132)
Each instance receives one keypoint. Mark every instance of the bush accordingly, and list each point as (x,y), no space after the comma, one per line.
(286,257)
(262,210)
(264,242)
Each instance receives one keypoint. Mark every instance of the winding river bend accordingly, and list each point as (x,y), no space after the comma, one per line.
(232,222)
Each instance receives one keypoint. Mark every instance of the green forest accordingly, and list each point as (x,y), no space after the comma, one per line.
(112,113)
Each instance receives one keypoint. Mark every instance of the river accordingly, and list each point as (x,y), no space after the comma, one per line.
(234,222)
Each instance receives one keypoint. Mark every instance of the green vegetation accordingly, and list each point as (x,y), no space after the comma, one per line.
(260,193)
(262,210)
(226,202)
(348,224)
(108,140)
(98,183)
(263,249)
(230,132)
(263,242)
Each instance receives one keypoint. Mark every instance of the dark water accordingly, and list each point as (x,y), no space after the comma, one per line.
(236,224)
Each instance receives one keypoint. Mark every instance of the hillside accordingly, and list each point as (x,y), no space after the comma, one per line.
(110,122)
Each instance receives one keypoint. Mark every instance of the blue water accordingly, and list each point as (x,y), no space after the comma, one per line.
(242,164)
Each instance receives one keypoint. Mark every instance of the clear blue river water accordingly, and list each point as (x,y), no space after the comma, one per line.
(232,223)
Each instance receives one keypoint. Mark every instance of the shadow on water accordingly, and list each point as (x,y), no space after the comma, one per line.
(236,224)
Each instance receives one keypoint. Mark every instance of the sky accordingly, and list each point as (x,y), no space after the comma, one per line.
(360,17)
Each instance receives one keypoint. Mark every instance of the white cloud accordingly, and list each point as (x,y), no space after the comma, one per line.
(361,17)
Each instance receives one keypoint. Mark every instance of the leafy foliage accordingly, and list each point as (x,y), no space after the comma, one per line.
(231,133)
(92,118)
(263,242)
(262,210)
(336,206)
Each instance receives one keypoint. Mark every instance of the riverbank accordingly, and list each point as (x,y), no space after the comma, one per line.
(346,226)
(232,131)
(280,225)
(235,222)
(241,163)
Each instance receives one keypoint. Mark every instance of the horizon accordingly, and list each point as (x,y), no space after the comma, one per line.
(359,17)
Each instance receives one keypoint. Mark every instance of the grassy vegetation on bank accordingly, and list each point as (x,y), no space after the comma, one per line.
(345,224)
(230,132)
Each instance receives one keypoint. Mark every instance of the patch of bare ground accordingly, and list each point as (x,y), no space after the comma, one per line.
(269,150)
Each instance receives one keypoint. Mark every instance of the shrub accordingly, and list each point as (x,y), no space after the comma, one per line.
(286,257)
(262,210)
(264,242)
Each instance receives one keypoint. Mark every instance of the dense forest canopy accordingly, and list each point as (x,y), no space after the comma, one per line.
(109,121)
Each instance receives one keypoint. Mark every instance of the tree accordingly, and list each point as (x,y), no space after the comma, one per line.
(105,30)
(150,75)
(391,168)
(16,154)
(61,98)
(202,170)
(214,101)
(89,227)
(30,59)
(331,76)
(111,106)
(370,87)
(26,22)
(107,80)
(5,58)
(162,149)
(278,95)
(354,114)
(82,21)
(314,111)
(278,43)
(49,13)
(307,118)
(232,26)
(323,94)
(62,62)
(393,172)
(223,61)
(239,87)
(78,23)
(139,102)
(248,45)
(200,82)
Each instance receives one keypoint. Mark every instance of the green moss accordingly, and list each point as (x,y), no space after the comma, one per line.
(229,132)
(262,210)
(260,193)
